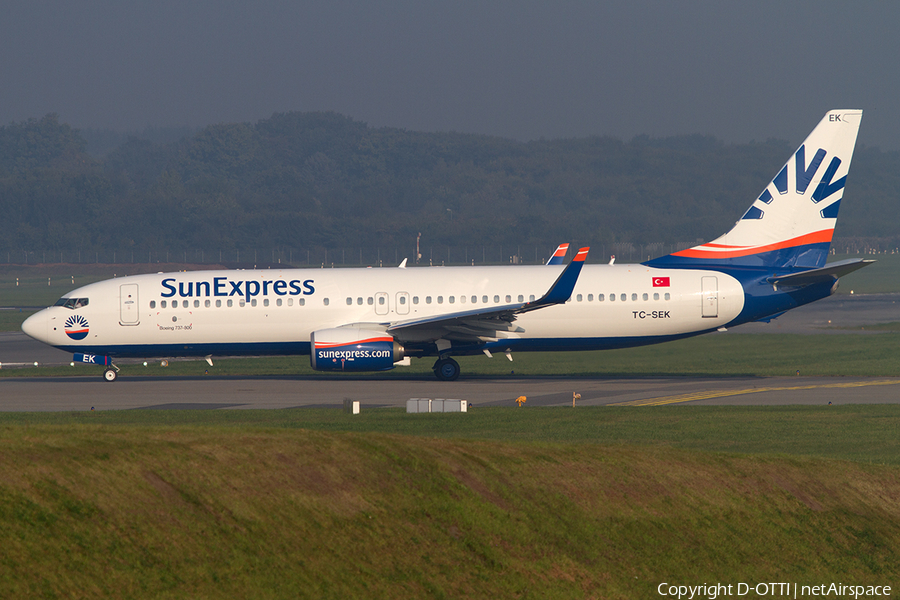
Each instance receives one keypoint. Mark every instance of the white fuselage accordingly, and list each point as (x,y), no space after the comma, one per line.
(276,311)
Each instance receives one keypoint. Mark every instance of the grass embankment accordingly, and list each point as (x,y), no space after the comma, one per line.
(191,511)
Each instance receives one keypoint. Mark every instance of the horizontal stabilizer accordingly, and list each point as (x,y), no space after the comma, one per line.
(827,273)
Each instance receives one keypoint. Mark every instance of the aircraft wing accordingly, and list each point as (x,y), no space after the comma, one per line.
(827,273)
(486,322)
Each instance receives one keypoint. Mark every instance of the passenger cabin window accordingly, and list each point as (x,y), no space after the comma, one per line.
(196,304)
(230,303)
(359,301)
(656,295)
(590,297)
(667,296)
(579,297)
(601,297)
(162,304)
(452,299)
(521,298)
(153,304)
(623,297)
(645,297)
(415,299)
(440,299)
(634,297)
(266,302)
(325,301)
(278,302)
(206,303)
(474,299)
(402,299)
(484,299)
(496,299)
(349,301)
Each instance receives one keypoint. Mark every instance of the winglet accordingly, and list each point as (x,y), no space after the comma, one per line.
(559,255)
(561,290)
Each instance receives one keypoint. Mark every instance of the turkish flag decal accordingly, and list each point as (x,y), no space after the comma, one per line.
(660,282)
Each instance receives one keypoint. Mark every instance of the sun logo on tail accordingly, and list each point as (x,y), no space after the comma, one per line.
(77,327)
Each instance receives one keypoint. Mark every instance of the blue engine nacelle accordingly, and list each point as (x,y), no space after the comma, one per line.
(353,349)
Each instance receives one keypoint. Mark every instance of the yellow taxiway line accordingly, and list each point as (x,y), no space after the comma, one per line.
(705,395)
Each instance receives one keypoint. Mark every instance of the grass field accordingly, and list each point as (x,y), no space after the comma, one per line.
(863,433)
(201,510)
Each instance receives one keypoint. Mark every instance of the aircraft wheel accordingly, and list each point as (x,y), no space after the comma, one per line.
(446,369)
(110,375)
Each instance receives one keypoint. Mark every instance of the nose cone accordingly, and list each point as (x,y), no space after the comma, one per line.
(36,326)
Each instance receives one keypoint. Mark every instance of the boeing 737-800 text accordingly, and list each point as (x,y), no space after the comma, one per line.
(772,260)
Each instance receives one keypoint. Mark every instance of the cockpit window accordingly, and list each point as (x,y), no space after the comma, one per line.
(72,303)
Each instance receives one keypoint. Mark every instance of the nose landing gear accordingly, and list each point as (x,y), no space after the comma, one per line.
(111,374)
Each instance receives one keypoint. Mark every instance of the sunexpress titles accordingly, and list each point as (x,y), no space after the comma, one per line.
(223,286)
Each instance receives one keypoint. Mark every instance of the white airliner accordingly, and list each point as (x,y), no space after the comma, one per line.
(771,261)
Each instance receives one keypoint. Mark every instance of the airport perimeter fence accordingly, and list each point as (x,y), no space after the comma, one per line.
(387,257)
(327,257)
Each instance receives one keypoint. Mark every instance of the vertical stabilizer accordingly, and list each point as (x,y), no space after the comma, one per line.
(792,221)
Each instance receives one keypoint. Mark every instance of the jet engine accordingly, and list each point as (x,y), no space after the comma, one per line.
(353,349)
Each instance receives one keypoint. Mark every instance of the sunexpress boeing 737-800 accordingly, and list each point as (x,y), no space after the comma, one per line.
(772,260)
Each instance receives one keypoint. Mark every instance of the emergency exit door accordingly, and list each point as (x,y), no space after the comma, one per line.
(710,295)
(382,305)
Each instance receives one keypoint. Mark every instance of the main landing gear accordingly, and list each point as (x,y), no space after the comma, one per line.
(446,369)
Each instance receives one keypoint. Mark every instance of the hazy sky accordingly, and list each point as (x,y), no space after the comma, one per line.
(520,69)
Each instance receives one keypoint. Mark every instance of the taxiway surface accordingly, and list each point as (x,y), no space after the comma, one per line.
(83,393)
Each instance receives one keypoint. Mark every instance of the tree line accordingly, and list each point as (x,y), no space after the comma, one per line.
(324,180)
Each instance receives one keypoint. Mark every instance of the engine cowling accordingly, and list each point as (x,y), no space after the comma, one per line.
(353,349)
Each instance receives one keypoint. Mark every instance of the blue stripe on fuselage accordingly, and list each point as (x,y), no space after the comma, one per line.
(807,256)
